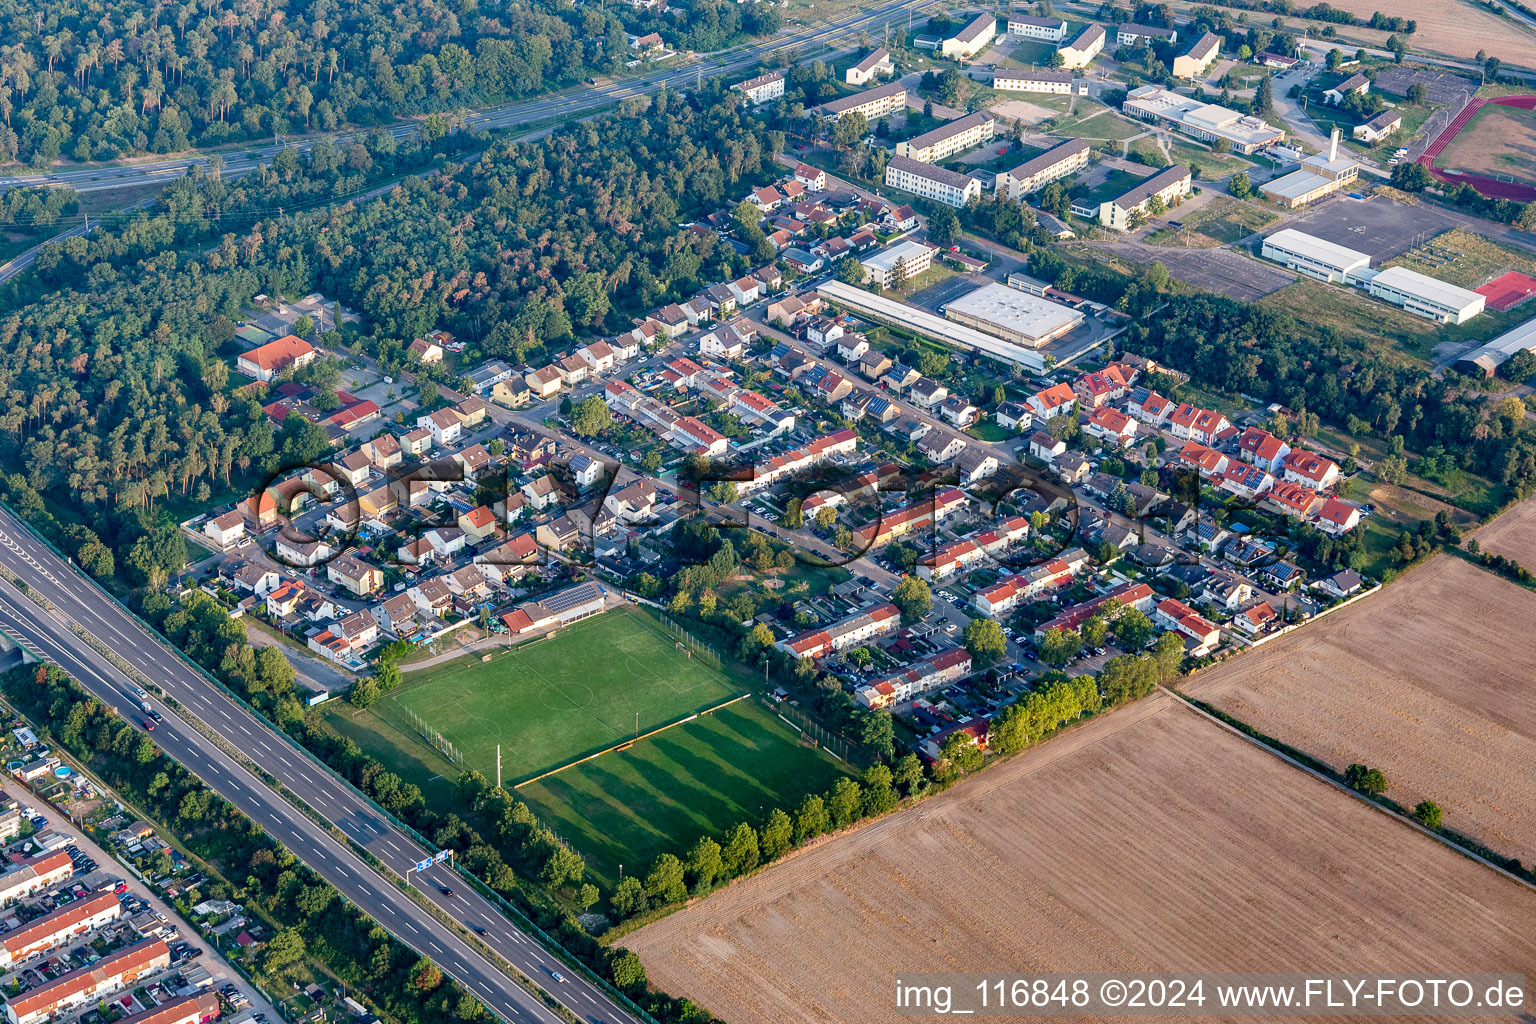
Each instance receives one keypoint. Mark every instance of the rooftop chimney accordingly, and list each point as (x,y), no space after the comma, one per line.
(1333,145)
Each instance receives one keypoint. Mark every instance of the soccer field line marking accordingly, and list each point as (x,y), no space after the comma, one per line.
(628,743)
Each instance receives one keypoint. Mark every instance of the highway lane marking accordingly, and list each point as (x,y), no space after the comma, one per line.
(261,811)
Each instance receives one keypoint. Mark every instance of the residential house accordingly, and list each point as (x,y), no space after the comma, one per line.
(543,382)
(1013,416)
(1051,402)
(444,426)
(512,393)
(226,530)
(1262,449)
(1111,425)
(356,575)
(1045,447)
(384,451)
(927,394)
(1337,517)
(1309,469)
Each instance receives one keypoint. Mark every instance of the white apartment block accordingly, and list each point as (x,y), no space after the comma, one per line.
(1052,30)
(970,41)
(764,88)
(1055,163)
(1169,185)
(1053,83)
(872,103)
(1085,46)
(936,183)
(946,140)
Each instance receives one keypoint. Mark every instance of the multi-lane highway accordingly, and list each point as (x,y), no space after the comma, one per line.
(76,602)
(568,104)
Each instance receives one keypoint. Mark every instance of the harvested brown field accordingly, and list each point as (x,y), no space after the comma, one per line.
(1150,839)
(1428,681)
(1455,28)
(1512,534)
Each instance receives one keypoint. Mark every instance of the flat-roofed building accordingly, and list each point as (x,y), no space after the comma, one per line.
(1132,34)
(877,64)
(952,188)
(1193,62)
(891,311)
(914,257)
(947,139)
(1170,185)
(1034,174)
(872,103)
(1319,175)
(1025,26)
(1316,257)
(1055,83)
(1204,121)
(1422,295)
(1085,46)
(764,88)
(1487,358)
(971,39)
(1013,315)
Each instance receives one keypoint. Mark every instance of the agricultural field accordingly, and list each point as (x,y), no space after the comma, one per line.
(1454,28)
(1427,681)
(551,701)
(701,778)
(1149,839)
(1513,534)
(1498,142)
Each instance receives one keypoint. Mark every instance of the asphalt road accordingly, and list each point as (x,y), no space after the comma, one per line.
(77,601)
(568,104)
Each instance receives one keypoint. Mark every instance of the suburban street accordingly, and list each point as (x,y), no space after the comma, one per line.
(78,603)
(566,105)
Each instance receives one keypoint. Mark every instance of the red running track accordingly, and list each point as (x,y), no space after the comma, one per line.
(1493,188)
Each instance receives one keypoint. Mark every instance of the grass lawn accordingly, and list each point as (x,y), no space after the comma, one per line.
(1357,317)
(935,273)
(661,794)
(1222,221)
(988,430)
(1094,122)
(551,701)
(1497,141)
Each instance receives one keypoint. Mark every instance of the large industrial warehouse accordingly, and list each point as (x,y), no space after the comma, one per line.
(1313,256)
(1013,315)
(925,323)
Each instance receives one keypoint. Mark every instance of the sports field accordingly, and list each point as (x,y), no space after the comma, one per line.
(552,701)
(626,807)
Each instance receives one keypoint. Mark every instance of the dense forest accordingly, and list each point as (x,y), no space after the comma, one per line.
(113,78)
(115,388)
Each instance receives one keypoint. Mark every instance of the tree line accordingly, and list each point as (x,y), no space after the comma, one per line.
(117,78)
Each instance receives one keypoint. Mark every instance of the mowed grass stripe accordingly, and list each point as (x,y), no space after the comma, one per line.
(663,793)
(553,701)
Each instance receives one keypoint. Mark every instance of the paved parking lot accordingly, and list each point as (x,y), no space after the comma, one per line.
(1217,270)
(1377,227)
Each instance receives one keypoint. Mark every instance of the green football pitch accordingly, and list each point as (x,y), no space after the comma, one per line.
(659,795)
(549,702)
